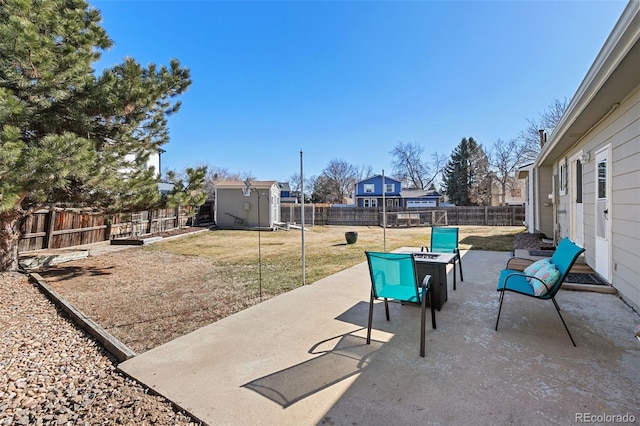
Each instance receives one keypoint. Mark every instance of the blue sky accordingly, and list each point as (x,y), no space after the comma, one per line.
(349,80)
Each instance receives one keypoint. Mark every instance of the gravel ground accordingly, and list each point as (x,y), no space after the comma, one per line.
(53,373)
(526,240)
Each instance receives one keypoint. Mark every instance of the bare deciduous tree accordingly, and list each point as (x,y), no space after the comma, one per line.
(364,172)
(411,169)
(340,177)
(217,174)
(505,158)
(547,121)
(480,189)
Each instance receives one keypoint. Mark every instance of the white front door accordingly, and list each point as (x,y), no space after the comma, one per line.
(603,214)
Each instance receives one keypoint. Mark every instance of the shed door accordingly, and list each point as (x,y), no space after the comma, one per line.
(275,208)
(603,214)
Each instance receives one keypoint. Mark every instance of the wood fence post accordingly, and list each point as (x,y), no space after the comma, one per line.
(51,217)
(107,230)
(149,218)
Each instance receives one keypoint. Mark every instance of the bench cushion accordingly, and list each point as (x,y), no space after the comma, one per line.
(532,269)
(548,275)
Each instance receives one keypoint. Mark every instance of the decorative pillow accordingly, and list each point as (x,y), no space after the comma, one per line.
(532,269)
(549,275)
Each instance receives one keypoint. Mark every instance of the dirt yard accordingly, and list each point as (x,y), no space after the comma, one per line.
(148,295)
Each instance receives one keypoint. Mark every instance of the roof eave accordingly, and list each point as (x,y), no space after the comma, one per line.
(612,76)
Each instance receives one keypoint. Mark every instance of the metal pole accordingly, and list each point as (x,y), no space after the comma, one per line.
(384,216)
(304,273)
(259,250)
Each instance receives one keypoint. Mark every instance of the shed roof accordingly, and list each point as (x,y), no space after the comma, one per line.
(237,184)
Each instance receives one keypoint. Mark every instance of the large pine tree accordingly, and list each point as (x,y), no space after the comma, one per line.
(463,173)
(67,136)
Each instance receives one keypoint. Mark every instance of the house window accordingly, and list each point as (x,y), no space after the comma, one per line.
(602,179)
(389,187)
(369,202)
(578,179)
(562,172)
(368,188)
(516,192)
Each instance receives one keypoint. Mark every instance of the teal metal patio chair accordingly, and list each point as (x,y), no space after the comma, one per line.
(445,240)
(545,282)
(393,276)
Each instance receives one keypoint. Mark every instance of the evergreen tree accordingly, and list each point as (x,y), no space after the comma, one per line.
(188,190)
(67,136)
(463,173)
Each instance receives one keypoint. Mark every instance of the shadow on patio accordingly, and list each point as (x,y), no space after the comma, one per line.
(300,358)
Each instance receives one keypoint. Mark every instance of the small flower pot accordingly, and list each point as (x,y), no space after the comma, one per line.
(351,237)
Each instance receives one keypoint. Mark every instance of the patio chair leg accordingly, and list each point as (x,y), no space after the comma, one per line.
(454,274)
(386,308)
(423,314)
(433,312)
(500,308)
(562,319)
(460,265)
(370,319)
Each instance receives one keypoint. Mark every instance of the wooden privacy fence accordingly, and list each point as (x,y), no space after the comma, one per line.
(65,228)
(51,229)
(372,216)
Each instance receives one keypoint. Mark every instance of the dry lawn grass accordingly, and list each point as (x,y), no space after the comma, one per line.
(146,296)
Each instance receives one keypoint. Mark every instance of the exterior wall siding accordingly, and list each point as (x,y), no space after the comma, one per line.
(621,131)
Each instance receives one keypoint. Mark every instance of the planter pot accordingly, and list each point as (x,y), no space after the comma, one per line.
(351,237)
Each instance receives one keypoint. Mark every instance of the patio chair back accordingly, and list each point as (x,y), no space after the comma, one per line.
(563,259)
(444,239)
(393,276)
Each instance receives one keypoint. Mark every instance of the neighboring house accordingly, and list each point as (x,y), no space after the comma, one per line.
(586,180)
(234,210)
(155,161)
(165,188)
(524,174)
(286,195)
(369,194)
(515,192)
(420,198)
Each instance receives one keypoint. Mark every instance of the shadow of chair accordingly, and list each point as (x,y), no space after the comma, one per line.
(344,356)
(394,276)
(543,284)
(445,240)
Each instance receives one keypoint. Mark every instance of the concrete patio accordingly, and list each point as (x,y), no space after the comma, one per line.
(301,359)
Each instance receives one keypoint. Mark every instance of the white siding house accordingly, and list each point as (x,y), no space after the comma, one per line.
(585,184)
